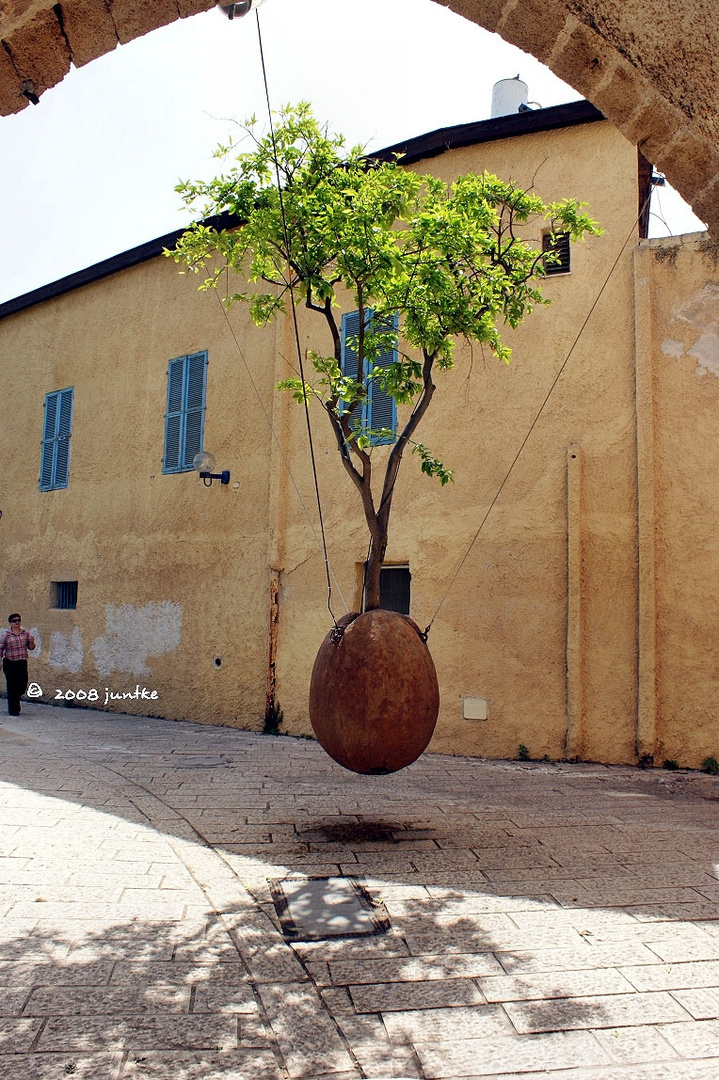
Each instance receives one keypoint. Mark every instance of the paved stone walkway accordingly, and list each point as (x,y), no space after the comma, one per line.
(551,921)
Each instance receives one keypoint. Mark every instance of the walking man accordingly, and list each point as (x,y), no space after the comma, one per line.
(14,644)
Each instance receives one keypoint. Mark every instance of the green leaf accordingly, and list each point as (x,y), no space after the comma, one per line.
(433,466)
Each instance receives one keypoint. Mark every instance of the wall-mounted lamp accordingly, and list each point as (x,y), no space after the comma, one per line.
(240,8)
(205,463)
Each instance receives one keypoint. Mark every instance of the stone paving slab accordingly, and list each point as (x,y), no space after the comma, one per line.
(490,1057)
(444,1025)
(595,1011)
(551,921)
(73,1000)
(230,1065)
(306,1033)
(544,987)
(117,1031)
(415,995)
(676,1070)
(578,956)
(61,1067)
(404,970)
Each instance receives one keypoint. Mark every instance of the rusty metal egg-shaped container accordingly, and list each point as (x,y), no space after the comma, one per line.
(374,696)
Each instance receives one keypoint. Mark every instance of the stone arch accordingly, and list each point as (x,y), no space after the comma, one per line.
(651,66)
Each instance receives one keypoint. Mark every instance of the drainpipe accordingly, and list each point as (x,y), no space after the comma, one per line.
(270,702)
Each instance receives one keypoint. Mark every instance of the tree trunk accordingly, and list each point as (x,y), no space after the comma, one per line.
(372,572)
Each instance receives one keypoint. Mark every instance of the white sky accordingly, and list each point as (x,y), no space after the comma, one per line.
(90,171)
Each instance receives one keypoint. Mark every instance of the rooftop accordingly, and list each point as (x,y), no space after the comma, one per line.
(421,147)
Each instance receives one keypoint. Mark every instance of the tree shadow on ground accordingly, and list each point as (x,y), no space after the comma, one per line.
(143,998)
(527,903)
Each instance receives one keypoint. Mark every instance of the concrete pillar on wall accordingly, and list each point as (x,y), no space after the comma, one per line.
(277,417)
(573,744)
(646,510)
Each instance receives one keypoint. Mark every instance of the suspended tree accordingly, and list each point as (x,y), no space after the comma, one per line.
(424,263)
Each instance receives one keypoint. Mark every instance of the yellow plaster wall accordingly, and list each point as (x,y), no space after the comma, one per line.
(682,279)
(171,574)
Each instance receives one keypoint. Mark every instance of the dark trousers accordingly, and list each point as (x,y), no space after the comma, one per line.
(16,679)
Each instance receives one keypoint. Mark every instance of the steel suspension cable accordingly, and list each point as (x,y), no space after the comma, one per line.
(539,412)
(295,324)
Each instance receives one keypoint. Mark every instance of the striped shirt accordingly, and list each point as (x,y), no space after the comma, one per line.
(15,646)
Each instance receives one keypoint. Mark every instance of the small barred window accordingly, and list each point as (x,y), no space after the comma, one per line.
(64,594)
(394,586)
(556,246)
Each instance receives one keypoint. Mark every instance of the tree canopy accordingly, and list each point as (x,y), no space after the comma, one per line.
(423,262)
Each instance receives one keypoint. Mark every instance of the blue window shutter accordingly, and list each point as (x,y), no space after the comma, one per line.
(382,407)
(350,329)
(195,379)
(380,410)
(48,441)
(185,416)
(57,429)
(173,416)
(64,431)
(350,364)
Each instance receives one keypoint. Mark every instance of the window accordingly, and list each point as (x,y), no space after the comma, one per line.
(57,428)
(557,244)
(394,584)
(64,594)
(185,416)
(379,410)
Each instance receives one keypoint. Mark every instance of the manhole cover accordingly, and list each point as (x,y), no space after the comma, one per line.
(312,909)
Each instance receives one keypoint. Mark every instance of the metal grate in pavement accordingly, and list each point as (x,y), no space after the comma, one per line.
(316,908)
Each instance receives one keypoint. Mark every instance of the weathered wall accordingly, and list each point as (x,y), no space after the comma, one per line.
(651,67)
(586,611)
(502,631)
(171,574)
(680,280)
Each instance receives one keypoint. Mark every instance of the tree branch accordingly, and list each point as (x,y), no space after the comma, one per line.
(361,480)
(395,458)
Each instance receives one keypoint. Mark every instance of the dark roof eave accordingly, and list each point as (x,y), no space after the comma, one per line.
(412,150)
(123,261)
(499,127)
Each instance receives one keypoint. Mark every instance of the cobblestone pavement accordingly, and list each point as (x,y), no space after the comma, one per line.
(552,921)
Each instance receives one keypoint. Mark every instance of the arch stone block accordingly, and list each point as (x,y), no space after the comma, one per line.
(134,18)
(89,30)
(10,95)
(39,52)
